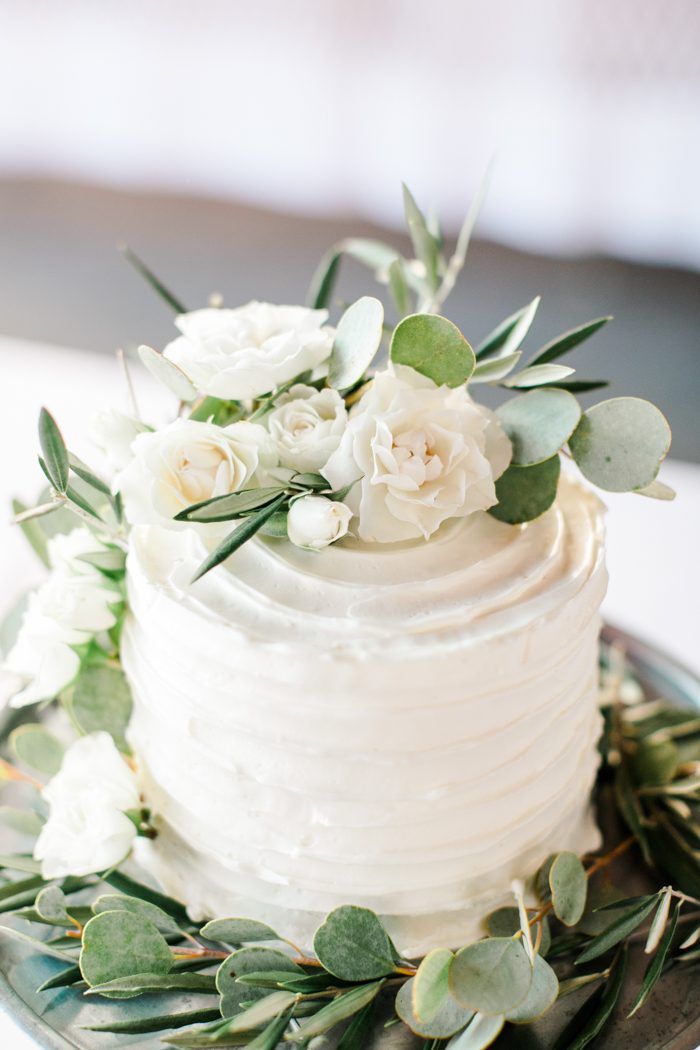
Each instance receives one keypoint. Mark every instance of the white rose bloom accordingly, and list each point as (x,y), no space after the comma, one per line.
(87,830)
(424,454)
(188,462)
(113,433)
(65,550)
(243,353)
(307,425)
(315,522)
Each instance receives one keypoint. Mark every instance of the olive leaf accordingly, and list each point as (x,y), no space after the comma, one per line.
(119,902)
(55,453)
(101,700)
(509,334)
(617,931)
(523,493)
(143,1025)
(588,1022)
(431,983)
(156,284)
(568,886)
(167,373)
(240,535)
(657,490)
(495,368)
(111,561)
(481,1032)
(425,244)
(344,1006)
(539,375)
(539,423)
(541,996)
(398,286)
(63,979)
(120,944)
(357,339)
(323,281)
(492,976)
(238,931)
(565,342)
(43,947)
(450,1018)
(433,346)
(37,748)
(353,945)
(231,505)
(146,983)
(656,966)
(269,1038)
(619,444)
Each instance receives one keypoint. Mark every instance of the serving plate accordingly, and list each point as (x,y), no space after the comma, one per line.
(669,1021)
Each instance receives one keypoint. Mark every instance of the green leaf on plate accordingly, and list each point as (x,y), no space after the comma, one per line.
(568,340)
(617,931)
(240,535)
(55,453)
(523,493)
(450,1018)
(539,375)
(245,961)
(357,339)
(120,944)
(481,1032)
(619,444)
(539,423)
(431,983)
(337,1010)
(37,748)
(509,334)
(353,945)
(231,505)
(541,996)
(433,346)
(569,887)
(38,946)
(157,1023)
(168,373)
(132,888)
(147,983)
(119,902)
(238,931)
(492,976)
(51,904)
(101,700)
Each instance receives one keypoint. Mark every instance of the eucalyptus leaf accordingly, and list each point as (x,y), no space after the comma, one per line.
(617,931)
(491,976)
(509,334)
(619,444)
(431,983)
(541,996)
(55,453)
(51,904)
(37,748)
(433,346)
(24,821)
(450,1018)
(357,339)
(132,888)
(157,1023)
(238,931)
(505,922)
(146,983)
(481,1032)
(245,531)
(119,902)
(657,490)
(344,1006)
(495,368)
(568,886)
(539,375)
(523,493)
(168,373)
(353,945)
(539,423)
(231,505)
(245,961)
(120,944)
(101,700)
(565,342)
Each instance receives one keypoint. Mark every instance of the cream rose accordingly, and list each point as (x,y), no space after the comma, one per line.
(188,462)
(424,454)
(243,353)
(315,522)
(306,426)
(87,829)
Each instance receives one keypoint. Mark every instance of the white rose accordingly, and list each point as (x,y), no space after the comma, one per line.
(424,454)
(113,432)
(315,522)
(188,462)
(307,425)
(87,829)
(66,549)
(243,353)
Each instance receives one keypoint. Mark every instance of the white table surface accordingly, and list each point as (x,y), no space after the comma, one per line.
(652,546)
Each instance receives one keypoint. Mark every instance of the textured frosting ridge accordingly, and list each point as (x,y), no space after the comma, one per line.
(407,727)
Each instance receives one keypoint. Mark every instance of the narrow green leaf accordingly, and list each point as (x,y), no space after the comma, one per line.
(344,1006)
(656,966)
(424,243)
(523,493)
(539,423)
(509,334)
(657,490)
(353,945)
(68,976)
(111,561)
(38,946)
(86,475)
(231,505)
(374,254)
(126,885)
(616,932)
(568,340)
(491,976)
(245,531)
(13,889)
(156,284)
(433,346)
(119,944)
(54,451)
(158,1023)
(357,339)
(269,1038)
(356,1034)
(80,501)
(539,375)
(569,886)
(323,281)
(168,373)
(238,931)
(495,368)
(582,386)
(619,444)
(628,805)
(431,983)
(37,748)
(32,529)
(588,1022)
(260,1012)
(20,862)
(398,286)
(145,983)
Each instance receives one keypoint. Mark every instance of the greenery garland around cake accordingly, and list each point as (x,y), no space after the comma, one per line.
(281,428)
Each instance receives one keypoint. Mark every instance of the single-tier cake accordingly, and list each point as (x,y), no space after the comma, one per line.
(403,726)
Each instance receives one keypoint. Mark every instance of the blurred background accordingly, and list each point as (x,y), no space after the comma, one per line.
(231,143)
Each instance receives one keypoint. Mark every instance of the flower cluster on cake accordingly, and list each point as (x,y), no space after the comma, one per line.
(329,639)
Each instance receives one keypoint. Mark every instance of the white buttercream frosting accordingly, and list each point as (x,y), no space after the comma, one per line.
(406,726)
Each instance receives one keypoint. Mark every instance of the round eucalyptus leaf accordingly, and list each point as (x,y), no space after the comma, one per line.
(238,931)
(119,944)
(504,922)
(435,347)
(542,995)
(37,748)
(539,423)
(431,983)
(51,904)
(101,700)
(492,976)
(568,885)
(619,444)
(523,493)
(481,1032)
(168,374)
(248,960)
(357,340)
(353,945)
(450,1018)
(119,902)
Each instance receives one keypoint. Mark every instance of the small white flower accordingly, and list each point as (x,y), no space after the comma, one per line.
(243,353)
(315,522)
(73,604)
(113,433)
(307,425)
(87,829)
(188,462)
(424,454)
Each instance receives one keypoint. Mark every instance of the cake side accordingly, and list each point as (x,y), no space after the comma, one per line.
(403,729)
